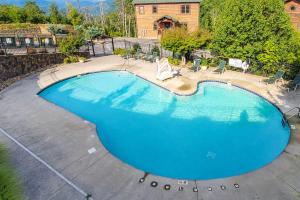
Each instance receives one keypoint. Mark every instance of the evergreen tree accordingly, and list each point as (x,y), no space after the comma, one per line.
(33,13)
(55,17)
(74,16)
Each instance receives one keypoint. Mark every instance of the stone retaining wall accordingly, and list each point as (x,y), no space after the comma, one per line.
(16,65)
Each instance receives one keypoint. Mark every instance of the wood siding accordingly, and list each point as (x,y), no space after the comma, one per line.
(293,9)
(146,21)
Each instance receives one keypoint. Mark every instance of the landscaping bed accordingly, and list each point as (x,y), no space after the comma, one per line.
(10,188)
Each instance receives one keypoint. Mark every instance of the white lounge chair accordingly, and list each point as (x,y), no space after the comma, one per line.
(244,65)
(165,71)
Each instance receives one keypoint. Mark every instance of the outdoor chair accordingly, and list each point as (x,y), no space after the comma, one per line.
(277,77)
(148,56)
(221,67)
(196,65)
(293,85)
(165,71)
(138,54)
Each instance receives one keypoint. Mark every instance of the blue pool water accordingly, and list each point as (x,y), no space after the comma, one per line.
(220,131)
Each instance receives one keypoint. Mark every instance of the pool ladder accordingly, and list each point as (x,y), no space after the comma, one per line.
(285,118)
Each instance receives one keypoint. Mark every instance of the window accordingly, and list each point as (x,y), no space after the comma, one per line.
(141,10)
(8,40)
(293,8)
(155,26)
(185,9)
(154,9)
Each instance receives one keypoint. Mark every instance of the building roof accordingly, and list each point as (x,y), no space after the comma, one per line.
(28,29)
(164,1)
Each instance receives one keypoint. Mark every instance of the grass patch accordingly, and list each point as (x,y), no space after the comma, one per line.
(10,188)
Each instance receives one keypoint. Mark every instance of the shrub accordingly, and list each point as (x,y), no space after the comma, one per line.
(204,62)
(156,50)
(260,31)
(71,44)
(136,47)
(10,187)
(120,51)
(180,41)
(71,59)
(2,52)
(82,59)
(174,61)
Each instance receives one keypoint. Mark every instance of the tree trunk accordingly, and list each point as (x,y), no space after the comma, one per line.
(93,47)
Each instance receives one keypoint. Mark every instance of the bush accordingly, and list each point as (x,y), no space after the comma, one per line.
(10,187)
(156,50)
(71,44)
(260,31)
(2,52)
(204,62)
(120,51)
(136,47)
(82,59)
(180,41)
(71,59)
(174,61)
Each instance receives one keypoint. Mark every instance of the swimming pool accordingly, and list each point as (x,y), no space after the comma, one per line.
(220,131)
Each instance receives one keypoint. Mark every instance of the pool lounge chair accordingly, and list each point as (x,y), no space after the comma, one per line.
(277,77)
(165,71)
(221,67)
(293,85)
(196,65)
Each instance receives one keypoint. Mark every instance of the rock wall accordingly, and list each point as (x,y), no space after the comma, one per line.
(16,65)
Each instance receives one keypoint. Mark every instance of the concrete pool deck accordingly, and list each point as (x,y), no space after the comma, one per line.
(62,139)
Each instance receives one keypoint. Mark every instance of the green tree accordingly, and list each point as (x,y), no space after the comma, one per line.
(55,17)
(209,12)
(178,40)
(11,14)
(257,29)
(92,32)
(33,13)
(71,44)
(74,16)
